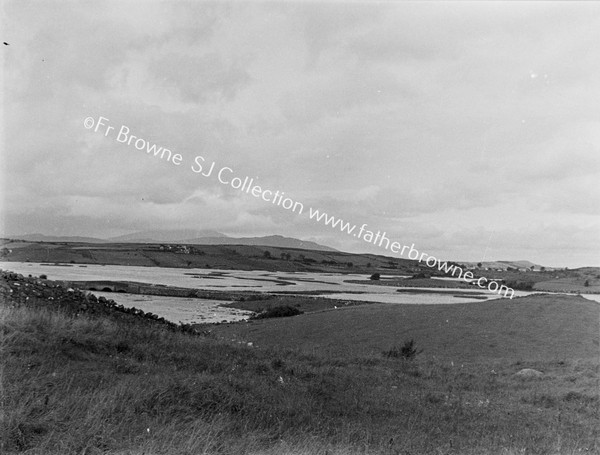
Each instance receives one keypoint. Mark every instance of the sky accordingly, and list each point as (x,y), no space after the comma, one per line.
(469,129)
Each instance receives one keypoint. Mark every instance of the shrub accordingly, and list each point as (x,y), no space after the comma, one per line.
(277,364)
(407,351)
(283,311)
(375,276)
(43,277)
(421,275)
(520,285)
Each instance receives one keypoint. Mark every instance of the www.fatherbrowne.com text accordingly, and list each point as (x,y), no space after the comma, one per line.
(381,240)
(226,176)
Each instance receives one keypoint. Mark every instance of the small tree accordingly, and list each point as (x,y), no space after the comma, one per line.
(267,254)
(375,276)
(587,283)
(479,264)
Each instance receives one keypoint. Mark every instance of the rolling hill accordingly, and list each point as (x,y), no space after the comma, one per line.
(183,236)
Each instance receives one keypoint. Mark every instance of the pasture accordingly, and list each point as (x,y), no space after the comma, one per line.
(317,383)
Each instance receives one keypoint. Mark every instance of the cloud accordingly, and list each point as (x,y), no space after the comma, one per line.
(421,118)
(197,77)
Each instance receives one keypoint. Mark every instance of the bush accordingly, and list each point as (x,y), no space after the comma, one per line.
(277,312)
(520,285)
(375,276)
(407,351)
(43,277)
(421,275)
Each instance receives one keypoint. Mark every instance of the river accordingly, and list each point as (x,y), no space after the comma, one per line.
(178,309)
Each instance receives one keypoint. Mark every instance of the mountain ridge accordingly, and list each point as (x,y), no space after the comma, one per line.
(193,237)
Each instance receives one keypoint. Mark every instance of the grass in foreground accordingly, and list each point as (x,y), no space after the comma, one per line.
(80,385)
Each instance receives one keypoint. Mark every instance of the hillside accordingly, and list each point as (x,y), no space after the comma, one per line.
(535,328)
(240,257)
(85,382)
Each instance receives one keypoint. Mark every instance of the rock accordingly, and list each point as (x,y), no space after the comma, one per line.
(529,373)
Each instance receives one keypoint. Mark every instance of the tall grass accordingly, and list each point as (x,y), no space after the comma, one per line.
(77,385)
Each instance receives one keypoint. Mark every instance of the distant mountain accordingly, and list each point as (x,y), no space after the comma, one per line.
(270,240)
(184,236)
(208,237)
(55,238)
(166,236)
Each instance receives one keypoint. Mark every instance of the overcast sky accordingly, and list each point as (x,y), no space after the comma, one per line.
(469,129)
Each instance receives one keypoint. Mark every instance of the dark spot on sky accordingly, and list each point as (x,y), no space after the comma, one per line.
(6,44)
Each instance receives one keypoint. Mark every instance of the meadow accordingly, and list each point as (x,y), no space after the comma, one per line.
(76,382)
(536,327)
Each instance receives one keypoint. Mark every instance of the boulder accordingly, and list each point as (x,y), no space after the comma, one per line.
(529,373)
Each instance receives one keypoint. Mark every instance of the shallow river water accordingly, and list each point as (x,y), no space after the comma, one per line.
(178,309)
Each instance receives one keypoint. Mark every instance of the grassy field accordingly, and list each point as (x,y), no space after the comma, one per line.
(77,383)
(544,327)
